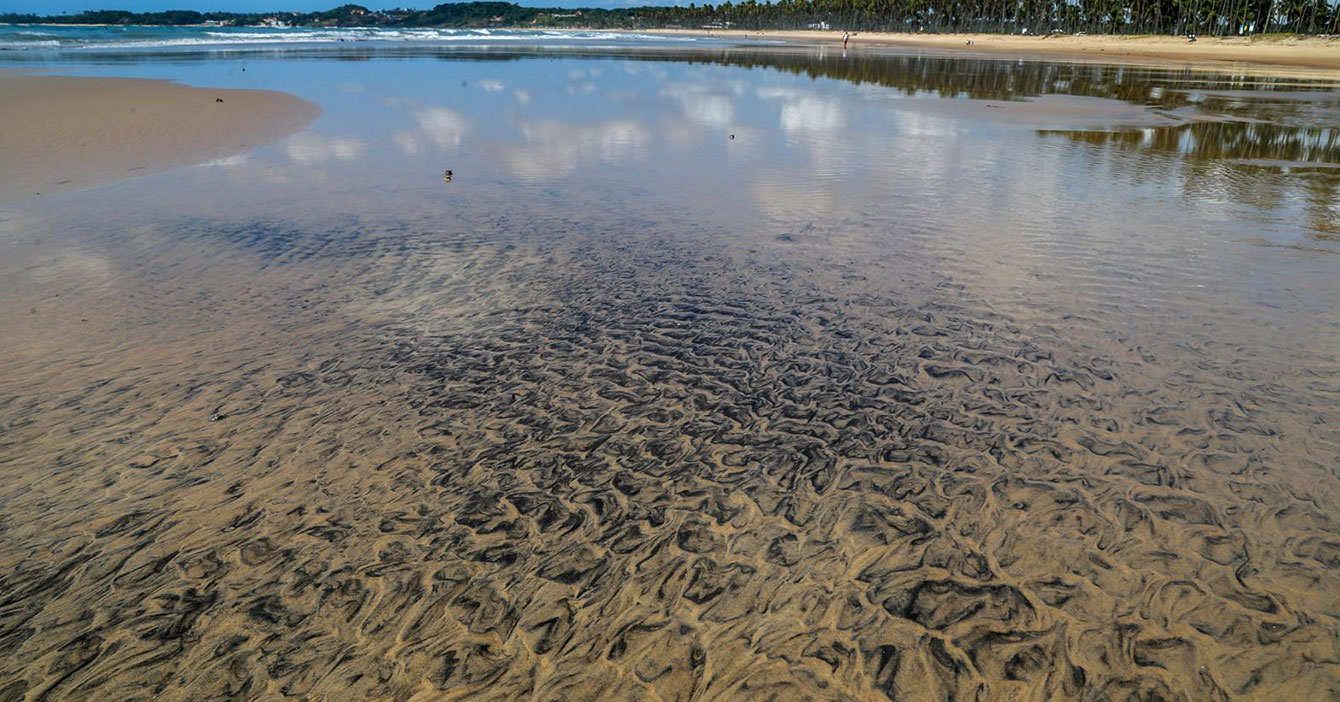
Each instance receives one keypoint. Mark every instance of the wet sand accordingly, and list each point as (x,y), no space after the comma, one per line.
(59,133)
(733,479)
(1307,52)
(499,440)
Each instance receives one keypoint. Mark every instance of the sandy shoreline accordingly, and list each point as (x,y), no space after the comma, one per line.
(62,133)
(896,395)
(1314,53)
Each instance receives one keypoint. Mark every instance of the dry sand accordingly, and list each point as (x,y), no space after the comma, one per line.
(1316,53)
(62,132)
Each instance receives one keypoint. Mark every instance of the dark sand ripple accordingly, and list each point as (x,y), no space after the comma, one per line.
(578,463)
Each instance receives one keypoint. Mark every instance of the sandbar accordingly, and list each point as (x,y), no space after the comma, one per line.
(62,132)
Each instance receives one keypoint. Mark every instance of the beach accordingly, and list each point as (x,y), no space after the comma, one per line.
(60,133)
(714,371)
(1321,53)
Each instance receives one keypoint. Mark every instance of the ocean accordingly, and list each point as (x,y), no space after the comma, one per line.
(39,38)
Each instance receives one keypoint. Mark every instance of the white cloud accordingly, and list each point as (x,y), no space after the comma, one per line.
(555,150)
(811,117)
(227,162)
(313,148)
(702,104)
(436,126)
(816,123)
(441,126)
(775,93)
(407,142)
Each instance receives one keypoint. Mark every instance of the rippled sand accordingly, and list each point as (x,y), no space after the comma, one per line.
(582,451)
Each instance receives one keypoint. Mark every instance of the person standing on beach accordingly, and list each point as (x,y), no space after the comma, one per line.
(845,37)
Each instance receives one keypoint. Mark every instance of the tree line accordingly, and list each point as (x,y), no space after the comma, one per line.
(1178,17)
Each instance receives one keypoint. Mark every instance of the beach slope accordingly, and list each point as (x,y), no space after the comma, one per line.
(1318,53)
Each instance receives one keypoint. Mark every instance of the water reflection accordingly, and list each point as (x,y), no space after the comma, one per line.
(810,136)
(806,131)
(312,148)
(988,79)
(554,150)
(703,104)
(1225,141)
(439,126)
(1266,166)
(888,396)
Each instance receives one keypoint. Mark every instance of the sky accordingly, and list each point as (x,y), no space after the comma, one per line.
(56,7)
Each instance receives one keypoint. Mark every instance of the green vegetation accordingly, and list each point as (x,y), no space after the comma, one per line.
(169,17)
(1211,17)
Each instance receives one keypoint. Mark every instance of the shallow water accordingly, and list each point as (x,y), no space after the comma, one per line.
(719,375)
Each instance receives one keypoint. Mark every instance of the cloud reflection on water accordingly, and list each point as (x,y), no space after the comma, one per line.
(438,126)
(556,149)
(702,104)
(312,148)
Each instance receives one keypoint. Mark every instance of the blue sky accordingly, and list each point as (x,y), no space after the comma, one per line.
(55,7)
